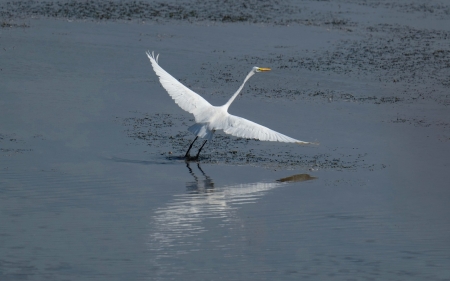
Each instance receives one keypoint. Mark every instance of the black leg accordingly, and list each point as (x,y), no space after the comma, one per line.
(187,153)
(198,153)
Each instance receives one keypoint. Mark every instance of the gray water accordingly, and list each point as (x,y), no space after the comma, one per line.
(92,186)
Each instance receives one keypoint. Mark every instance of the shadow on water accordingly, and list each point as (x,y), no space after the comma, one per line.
(297,178)
(165,161)
(198,219)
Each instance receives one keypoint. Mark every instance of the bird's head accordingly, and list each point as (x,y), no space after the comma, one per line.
(260,69)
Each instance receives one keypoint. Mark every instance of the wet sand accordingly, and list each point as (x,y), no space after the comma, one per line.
(91,181)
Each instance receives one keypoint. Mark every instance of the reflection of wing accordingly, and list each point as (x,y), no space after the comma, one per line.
(183,216)
(177,227)
(243,128)
(183,96)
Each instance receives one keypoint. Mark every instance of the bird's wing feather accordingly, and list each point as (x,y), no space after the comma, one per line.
(243,128)
(183,96)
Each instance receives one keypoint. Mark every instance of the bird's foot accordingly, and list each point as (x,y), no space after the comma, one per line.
(190,158)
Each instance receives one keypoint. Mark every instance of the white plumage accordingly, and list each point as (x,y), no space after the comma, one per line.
(210,118)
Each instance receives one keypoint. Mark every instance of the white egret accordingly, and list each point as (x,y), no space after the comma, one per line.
(210,118)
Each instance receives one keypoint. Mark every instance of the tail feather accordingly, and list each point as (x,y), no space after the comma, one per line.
(201,130)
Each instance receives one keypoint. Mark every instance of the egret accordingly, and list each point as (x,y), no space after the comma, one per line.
(209,118)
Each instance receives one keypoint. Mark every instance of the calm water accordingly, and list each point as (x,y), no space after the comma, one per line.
(81,200)
(114,219)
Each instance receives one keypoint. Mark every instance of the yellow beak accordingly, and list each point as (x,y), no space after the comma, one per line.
(264,69)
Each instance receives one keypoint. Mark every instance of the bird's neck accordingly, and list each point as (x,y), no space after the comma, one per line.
(227,105)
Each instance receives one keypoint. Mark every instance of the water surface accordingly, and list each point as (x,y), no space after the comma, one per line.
(92,185)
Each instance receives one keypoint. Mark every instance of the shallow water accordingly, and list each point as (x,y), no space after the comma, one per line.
(92,185)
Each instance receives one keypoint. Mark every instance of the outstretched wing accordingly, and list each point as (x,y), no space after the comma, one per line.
(243,128)
(182,95)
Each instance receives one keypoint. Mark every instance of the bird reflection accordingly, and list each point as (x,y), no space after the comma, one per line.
(177,227)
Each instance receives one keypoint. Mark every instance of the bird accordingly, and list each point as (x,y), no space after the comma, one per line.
(209,118)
